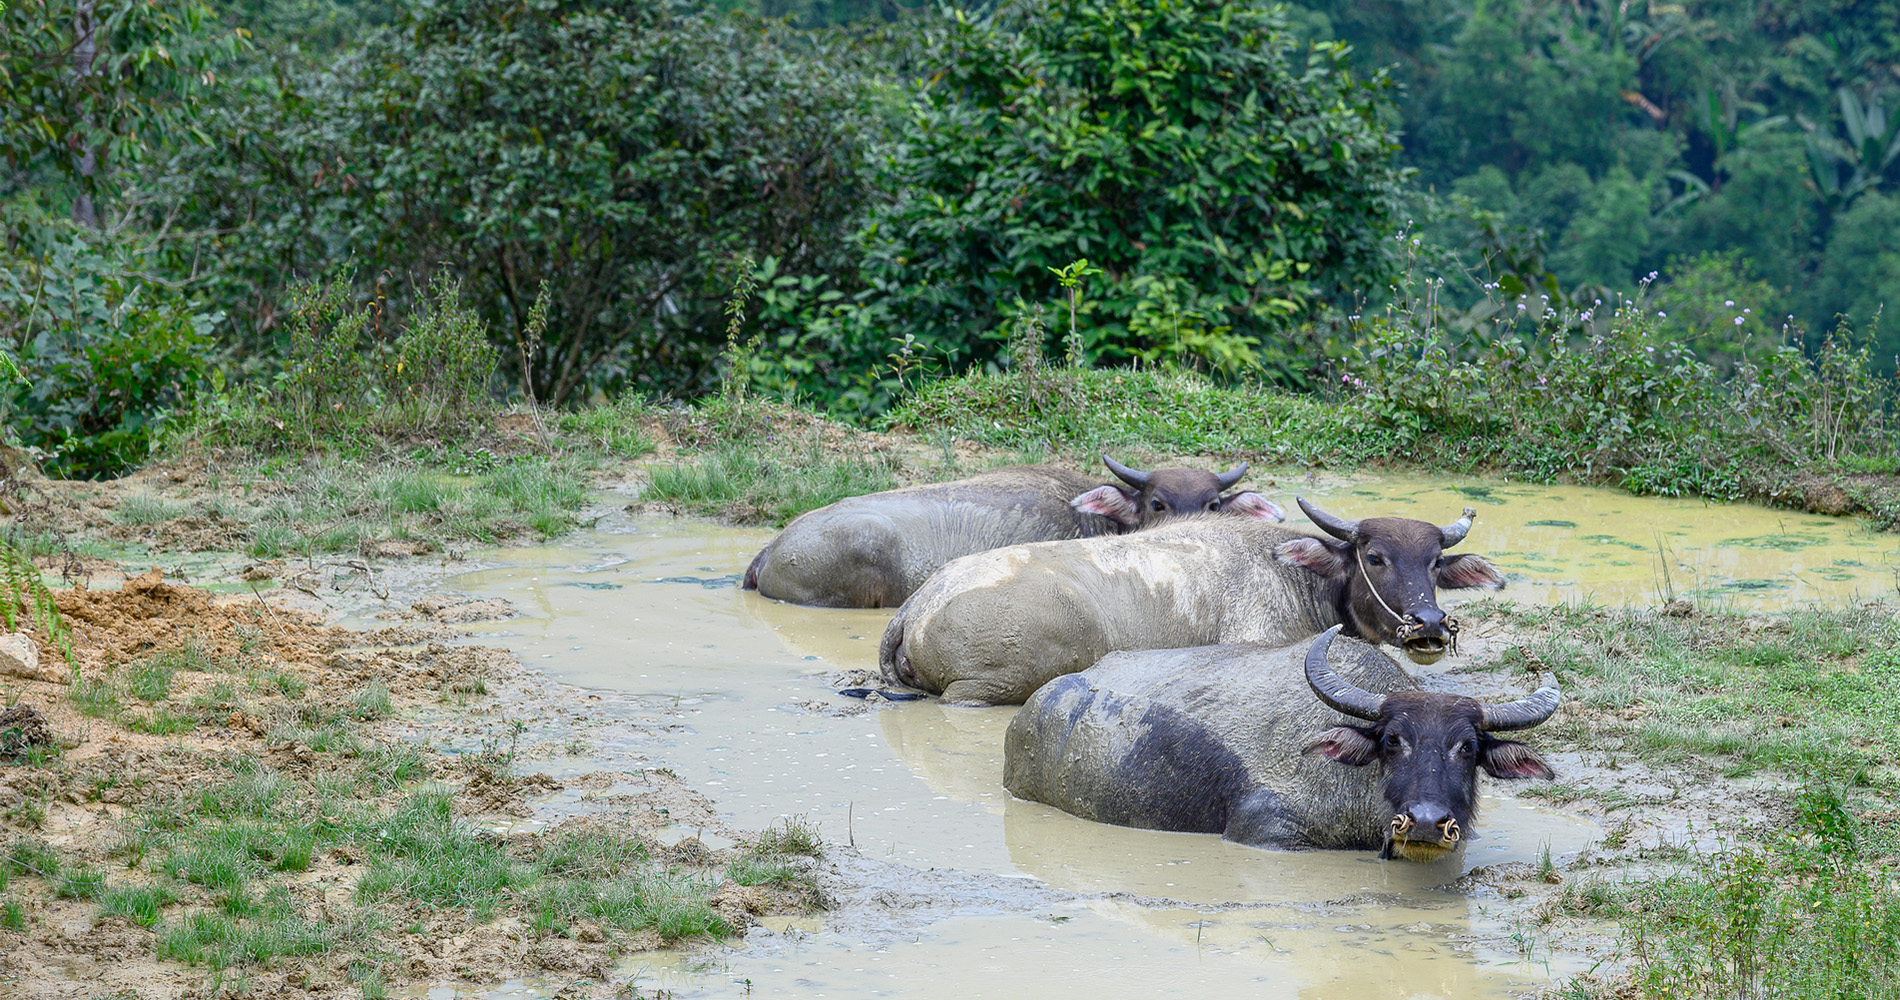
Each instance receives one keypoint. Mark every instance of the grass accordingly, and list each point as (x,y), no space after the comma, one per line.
(618,428)
(143,508)
(1149,410)
(149,682)
(210,867)
(1800,899)
(760,483)
(424,853)
(1814,694)
(339,505)
(370,702)
(1812,910)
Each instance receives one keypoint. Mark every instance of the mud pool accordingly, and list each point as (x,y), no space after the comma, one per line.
(978,894)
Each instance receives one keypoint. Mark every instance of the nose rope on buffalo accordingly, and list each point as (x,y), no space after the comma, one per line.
(1407,623)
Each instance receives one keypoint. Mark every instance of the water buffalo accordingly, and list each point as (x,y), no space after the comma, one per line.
(873,551)
(1228,740)
(988,629)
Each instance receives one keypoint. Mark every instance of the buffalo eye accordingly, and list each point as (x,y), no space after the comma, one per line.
(1213,505)
(1468,748)
(1158,505)
(1375,559)
(1391,741)
(1438,563)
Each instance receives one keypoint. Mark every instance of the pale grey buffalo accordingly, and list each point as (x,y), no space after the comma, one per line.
(988,629)
(873,551)
(1244,742)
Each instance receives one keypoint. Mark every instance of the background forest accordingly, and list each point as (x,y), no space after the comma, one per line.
(1290,195)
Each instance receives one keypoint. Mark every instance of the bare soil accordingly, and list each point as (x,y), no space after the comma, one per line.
(106,771)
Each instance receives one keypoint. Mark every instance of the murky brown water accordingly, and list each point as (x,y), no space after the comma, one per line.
(1571,543)
(652,608)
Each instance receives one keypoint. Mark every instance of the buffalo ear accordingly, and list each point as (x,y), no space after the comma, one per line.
(1251,504)
(1346,744)
(1467,570)
(1511,759)
(1316,554)
(1113,502)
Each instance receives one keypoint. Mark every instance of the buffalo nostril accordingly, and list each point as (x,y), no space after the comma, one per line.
(1428,817)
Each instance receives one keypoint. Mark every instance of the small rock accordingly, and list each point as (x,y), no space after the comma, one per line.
(20,657)
(1679,608)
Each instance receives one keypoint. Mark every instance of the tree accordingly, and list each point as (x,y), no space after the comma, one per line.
(1218,175)
(88,88)
(626,153)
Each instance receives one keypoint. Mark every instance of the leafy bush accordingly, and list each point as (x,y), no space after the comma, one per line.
(623,153)
(1599,396)
(1220,179)
(341,378)
(105,355)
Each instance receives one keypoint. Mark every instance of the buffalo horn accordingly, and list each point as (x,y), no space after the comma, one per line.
(1337,527)
(1133,477)
(1335,691)
(1454,533)
(1524,712)
(1231,476)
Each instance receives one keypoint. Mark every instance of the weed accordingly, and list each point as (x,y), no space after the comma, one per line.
(83,883)
(753,482)
(791,836)
(143,508)
(12,916)
(140,904)
(370,703)
(96,697)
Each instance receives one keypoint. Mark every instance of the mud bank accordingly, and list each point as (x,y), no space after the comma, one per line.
(186,719)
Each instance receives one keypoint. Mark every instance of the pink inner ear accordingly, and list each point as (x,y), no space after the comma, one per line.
(1508,759)
(1348,746)
(1252,504)
(1310,553)
(1470,571)
(1109,502)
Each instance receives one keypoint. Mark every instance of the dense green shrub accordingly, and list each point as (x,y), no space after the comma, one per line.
(1220,176)
(624,153)
(105,355)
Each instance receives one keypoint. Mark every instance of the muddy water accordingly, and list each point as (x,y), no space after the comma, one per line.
(1037,901)
(1571,543)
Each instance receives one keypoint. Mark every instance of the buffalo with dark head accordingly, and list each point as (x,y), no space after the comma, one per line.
(873,551)
(1245,742)
(992,627)
(1389,568)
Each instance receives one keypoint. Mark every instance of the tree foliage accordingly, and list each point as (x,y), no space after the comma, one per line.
(1636,134)
(1218,173)
(92,87)
(626,154)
